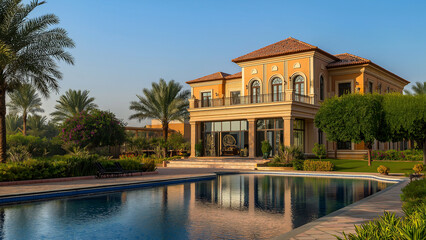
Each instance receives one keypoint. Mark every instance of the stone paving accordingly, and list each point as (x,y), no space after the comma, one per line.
(323,228)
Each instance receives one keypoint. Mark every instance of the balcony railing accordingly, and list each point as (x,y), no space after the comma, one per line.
(251,99)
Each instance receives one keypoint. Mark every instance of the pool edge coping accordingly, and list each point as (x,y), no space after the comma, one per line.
(310,225)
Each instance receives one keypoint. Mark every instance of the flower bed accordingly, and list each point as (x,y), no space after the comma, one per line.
(407,155)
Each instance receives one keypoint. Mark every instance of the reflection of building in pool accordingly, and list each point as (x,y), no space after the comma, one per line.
(275,97)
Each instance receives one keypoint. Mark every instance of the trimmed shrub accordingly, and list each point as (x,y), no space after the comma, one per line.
(418,168)
(279,164)
(266,149)
(297,164)
(406,155)
(383,170)
(312,165)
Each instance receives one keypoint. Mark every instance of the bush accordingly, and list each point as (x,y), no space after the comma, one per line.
(406,155)
(383,170)
(65,166)
(297,164)
(18,154)
(294,153)
(36,146)
(312,165)
(97,129)
(279,164)
(319,150)
(418,168)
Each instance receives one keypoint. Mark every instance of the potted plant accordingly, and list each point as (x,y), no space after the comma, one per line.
(198,149)
(266,149)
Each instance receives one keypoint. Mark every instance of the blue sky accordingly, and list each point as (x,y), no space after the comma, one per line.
(123,46)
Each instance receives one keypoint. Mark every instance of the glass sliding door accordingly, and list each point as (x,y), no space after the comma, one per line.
(271,130)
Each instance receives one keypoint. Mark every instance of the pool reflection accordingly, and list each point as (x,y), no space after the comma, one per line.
(231,206)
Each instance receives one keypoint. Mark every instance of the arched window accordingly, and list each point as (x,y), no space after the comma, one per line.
(321,88)
(277,89)
(299,85)
(255,92)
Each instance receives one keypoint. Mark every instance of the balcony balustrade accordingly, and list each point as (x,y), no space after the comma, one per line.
(252,99)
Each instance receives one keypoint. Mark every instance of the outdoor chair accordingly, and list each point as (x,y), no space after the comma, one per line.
(127,172)
(103,172)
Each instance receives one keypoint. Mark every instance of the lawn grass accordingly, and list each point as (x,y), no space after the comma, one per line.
(343,165)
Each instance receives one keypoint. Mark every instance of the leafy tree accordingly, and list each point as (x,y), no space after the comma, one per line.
(164,101)
(418,89)
(353,117)
(29,49)
(72,103)
(95,129)
(13,123)
(25,100)
(406,118)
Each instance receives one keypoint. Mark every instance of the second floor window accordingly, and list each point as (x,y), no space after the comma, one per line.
(206,98)
(255,92)
(277,88)
(321,88)
(299,85)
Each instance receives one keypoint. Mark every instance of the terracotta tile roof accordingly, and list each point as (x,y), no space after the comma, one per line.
(346,59)
(284,47)
(211,77)
(236,75)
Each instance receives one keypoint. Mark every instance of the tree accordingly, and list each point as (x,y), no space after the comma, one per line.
(319,150)
(353,117)
(165,102)
(95,129)
(25,100)
(72,103)
(29,49)
(13,123)
(406,118)
(418,89)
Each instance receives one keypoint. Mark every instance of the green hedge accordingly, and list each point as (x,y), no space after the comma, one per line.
(388,226)
(406,155)
(64,167)
(313,165)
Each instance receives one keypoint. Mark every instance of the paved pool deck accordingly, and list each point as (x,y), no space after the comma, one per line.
(322,228)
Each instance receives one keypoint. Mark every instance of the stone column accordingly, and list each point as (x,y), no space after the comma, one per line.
(252,137)
(288,131)
(194,137)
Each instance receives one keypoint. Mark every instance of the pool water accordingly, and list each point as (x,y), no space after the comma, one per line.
(229,207)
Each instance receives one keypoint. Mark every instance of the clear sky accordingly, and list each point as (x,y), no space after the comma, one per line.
(122,46)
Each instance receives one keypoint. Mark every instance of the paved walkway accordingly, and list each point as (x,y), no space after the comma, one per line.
(323,228)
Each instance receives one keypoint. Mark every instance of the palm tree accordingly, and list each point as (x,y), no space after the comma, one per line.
(165,102)
(25,100)
(71,103)
(13,123)
(29,49)
(418,89)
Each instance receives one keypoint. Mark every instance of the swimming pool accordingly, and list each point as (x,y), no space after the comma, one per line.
(237,206)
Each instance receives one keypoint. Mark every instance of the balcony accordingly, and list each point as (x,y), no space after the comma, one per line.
(246,100)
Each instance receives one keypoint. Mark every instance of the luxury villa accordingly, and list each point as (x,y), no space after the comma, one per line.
(275,98)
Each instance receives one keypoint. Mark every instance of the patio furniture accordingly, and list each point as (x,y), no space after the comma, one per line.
(103,172)
(415,176)
(127,172)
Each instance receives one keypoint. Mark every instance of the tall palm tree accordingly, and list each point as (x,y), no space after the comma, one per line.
(25,100)
(165,102)
(29,49)
(71,103)
(418,89)
(13,123)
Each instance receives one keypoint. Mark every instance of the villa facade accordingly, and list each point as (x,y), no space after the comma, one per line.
(275,97)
